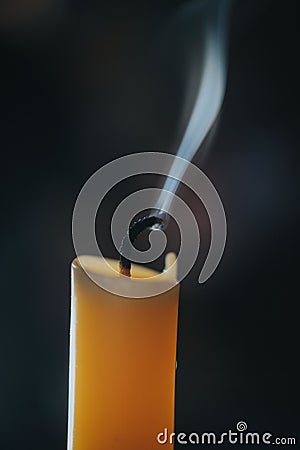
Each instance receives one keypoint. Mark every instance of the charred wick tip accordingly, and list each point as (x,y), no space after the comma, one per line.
(135,229)
(124,270)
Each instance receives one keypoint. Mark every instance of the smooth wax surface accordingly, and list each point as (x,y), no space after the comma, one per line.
(122,362)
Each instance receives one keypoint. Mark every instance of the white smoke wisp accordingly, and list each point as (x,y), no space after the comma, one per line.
(210,94)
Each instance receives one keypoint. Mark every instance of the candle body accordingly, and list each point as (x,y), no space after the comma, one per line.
(122,367)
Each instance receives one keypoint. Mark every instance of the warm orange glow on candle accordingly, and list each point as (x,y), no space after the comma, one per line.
(123,357)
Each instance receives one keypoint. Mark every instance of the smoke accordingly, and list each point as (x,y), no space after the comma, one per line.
(214,14)
(176,169)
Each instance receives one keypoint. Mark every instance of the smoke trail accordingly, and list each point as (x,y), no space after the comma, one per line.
(210,95)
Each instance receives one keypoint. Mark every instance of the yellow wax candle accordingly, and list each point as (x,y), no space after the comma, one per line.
(122,359)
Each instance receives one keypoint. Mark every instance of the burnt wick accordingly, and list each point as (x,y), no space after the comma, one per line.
(135,229)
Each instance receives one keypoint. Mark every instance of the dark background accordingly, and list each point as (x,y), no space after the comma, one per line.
(82,83)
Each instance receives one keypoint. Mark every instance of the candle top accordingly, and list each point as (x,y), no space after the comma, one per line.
(110,267)
(144,282)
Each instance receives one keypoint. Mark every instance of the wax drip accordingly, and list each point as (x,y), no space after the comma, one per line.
(135,229)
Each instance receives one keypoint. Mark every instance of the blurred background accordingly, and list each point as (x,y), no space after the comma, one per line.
(84,82)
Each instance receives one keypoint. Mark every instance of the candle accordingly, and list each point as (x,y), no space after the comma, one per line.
(122,358)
